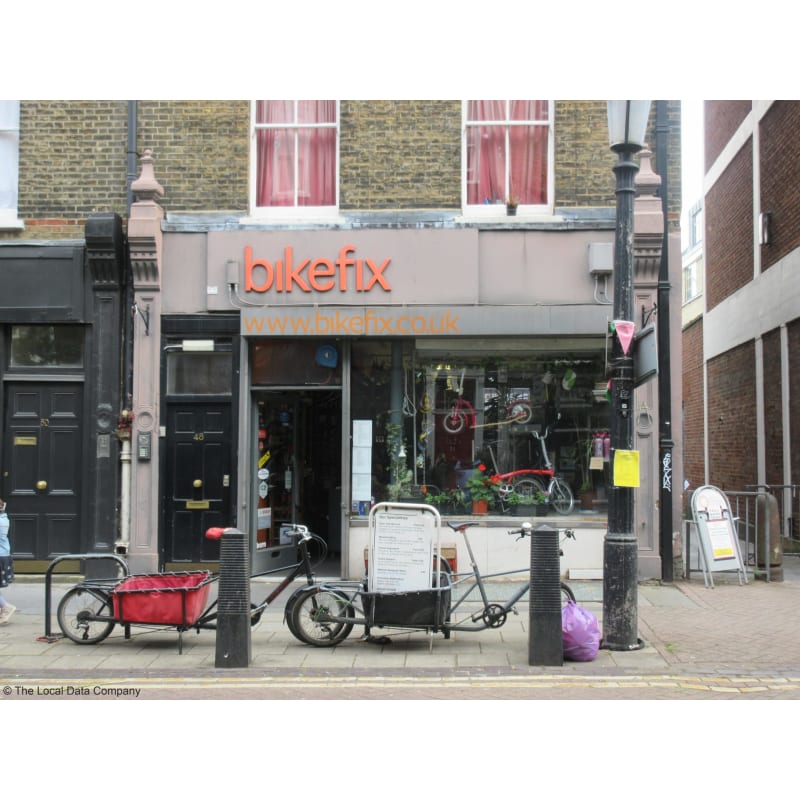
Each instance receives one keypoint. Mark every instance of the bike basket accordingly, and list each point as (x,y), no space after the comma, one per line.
(425,609)
(165,598)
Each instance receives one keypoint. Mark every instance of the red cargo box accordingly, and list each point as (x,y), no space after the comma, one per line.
(165,598)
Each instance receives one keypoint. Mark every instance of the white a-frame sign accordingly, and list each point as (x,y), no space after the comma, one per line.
(718,540)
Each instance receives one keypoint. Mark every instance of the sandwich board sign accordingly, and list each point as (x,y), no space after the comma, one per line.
(401,547)
(718,539)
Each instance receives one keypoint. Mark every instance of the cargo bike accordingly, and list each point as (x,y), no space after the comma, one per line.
(88,612)
(409,584)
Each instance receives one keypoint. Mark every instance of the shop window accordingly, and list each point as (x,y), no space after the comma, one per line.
(295,156)
(199,373)
(295,363)
(46,346)
(508,155)
(463,410)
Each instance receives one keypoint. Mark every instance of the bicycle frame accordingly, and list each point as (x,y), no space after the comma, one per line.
(490,614)
(462,413)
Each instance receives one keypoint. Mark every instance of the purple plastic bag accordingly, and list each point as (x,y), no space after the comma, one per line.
(580,633)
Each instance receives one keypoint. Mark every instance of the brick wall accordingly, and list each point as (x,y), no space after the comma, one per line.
(721,119)
(731,418)
(400,154)
(201,150)
(729,229)
(394,155)
(780,178)
(773,419)
(692,393)
(72,162)
(793,335)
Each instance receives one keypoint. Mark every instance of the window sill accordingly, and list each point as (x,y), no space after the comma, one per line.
(11,223)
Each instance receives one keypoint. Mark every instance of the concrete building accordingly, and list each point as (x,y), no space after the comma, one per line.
(259,313)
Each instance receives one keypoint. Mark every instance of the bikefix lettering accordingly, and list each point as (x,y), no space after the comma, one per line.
(314,275)
(354,323)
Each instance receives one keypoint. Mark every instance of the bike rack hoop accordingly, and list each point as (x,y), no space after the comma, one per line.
(48,580)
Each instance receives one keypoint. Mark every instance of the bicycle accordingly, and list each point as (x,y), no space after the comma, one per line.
(462,413)
(528,482)
(324,615)
(89,611)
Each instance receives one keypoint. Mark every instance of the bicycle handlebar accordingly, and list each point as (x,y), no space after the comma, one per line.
(299,531)
(527,529)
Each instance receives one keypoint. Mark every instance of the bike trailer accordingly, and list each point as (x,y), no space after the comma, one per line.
(164,598)
(428,608)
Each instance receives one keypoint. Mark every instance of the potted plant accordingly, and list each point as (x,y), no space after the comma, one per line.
(540,503)
(512,201)
(482,490)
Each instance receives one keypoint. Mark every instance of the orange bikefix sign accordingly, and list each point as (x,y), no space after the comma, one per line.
(308,275)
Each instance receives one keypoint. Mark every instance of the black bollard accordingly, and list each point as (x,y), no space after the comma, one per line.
(233,601)
(545,643)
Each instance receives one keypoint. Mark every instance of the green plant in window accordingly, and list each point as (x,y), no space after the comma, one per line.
(401,478)
(483,487)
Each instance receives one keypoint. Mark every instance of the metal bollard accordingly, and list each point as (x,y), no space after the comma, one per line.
(545,643)
(233,601)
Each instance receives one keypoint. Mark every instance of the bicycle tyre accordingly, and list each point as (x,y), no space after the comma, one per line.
(454,422)
(528,487)
(561,497)
(310,617)
(521,413)
(567,595)
(76,606)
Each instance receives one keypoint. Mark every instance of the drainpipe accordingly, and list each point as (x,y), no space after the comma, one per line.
(126,415)
(666,442)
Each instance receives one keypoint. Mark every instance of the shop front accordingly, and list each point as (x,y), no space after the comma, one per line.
(387,364)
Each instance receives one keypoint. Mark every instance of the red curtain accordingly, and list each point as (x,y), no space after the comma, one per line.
(507,160)
(296,160)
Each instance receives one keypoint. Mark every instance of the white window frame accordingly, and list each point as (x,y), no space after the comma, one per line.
(9,163)
(499,209)
(282,213)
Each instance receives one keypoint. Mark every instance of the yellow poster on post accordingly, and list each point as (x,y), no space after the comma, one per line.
(626,468)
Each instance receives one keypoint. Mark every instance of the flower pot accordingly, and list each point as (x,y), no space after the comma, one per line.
(480,506)
(586,500)
(540,510)
(511,211)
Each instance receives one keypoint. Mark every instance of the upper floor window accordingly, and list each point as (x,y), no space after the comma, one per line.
(9,163)
(509,154)
(695,225)
(294,156)
(691,279)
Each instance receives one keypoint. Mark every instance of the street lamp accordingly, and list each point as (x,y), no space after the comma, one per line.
(627,123)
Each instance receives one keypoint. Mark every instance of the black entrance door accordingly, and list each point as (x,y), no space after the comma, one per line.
(42,468)
(198,481)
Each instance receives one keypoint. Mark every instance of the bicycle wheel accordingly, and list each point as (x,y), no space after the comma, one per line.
(520,412)
(561,497)
(528,487)
(313,617)
(567,595)
(454,422)
(75,612)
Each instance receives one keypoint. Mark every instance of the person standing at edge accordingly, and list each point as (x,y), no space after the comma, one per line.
(6,565)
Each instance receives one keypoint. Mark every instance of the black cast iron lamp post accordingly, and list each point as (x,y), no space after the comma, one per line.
(627,123)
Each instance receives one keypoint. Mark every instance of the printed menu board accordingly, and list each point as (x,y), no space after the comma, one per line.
(402,551)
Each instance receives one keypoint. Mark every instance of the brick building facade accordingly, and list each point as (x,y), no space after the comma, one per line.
(185,215)
(742,360)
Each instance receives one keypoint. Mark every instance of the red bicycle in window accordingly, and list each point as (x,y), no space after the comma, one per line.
(462,413)
(527,482)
